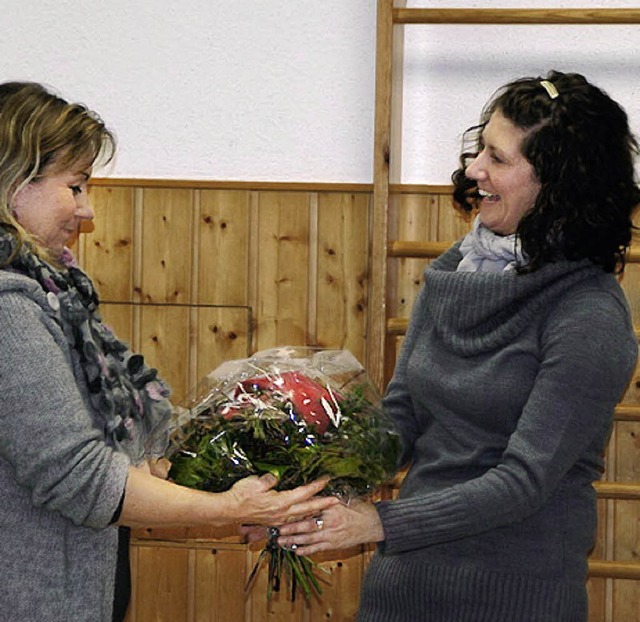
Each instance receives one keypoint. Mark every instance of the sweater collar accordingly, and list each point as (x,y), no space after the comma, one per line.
(474,312)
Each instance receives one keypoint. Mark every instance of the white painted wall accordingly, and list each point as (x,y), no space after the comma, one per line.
(284,89)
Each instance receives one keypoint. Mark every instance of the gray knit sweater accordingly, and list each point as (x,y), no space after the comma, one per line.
(59,483)
(504,392)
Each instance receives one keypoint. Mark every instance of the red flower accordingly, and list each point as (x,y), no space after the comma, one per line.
(310,400)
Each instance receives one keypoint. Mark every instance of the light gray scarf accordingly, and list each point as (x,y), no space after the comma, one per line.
(485,251)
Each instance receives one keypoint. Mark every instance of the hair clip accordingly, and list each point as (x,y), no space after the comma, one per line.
(550,88)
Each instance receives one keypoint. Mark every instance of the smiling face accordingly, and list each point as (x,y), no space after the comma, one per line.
(51,207)
(507,182)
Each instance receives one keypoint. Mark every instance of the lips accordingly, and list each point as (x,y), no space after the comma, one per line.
(487,196)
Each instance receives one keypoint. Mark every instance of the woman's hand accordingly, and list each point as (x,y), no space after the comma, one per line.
(159,467)
(253,500)
(338,527)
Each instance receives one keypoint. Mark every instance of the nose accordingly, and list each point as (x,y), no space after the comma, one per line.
(84,210)
(476,169)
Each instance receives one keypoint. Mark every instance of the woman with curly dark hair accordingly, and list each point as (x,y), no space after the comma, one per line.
(519,347)
(578,142)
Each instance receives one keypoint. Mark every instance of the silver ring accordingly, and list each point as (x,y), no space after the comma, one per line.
(319,524)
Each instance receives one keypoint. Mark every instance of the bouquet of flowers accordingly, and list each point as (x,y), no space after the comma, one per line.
(298,413)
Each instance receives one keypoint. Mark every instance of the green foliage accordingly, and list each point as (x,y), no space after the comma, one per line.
(210,452)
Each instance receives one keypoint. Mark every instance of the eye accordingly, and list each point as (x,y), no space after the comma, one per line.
(496,159)
(76,189)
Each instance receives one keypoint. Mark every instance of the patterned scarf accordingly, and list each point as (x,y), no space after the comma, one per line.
(130,400)
(485,251)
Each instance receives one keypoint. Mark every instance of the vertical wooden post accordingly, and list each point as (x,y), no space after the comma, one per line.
(386,162)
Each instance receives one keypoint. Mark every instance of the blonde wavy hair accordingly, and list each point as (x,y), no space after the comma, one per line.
(40,134)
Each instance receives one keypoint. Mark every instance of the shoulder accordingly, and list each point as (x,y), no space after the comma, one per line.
(593,316)
(449,260)
(22,300)
(600,292)
(13,283)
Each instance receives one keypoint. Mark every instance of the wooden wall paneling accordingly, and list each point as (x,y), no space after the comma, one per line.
(187,536)
(597,591)
(218,590)
(626,596)
(108,253)
(627,451)
(342,271)
(452,223)
(416,219)
(133,602)
(341,586)
(167,232)
(196,582)
(625,536)
(279,608)
(221,334)
(597,588)
(164,342)
(224,235)
(282,279)
(120,318)
(626,601)
(162,584)
(312,271)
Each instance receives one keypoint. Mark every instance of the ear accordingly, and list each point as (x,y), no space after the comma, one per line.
(19,198)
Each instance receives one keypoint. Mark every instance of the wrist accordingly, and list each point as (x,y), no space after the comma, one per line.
(230,506)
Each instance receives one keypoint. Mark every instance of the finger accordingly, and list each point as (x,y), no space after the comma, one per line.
(255,535)
(313,488)
(269,480)
(295,541)
(313,506)
(304,545)
(299,527)
(310,549)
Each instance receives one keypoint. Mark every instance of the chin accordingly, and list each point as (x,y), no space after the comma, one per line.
(499,227)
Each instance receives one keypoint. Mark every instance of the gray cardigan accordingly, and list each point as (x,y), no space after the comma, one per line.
(504,392)
(60,484)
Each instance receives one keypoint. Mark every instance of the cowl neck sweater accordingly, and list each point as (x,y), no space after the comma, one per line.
(474,312)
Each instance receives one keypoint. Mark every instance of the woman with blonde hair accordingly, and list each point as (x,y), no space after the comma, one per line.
(79,410)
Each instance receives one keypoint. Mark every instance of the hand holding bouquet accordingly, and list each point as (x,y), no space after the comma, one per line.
(296,412)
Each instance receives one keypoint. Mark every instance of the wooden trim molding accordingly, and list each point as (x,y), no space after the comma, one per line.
(210,184)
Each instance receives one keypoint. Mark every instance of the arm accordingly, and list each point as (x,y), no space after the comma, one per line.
(588,352)
(567,414)
(60,458)
(397,401)
(150,501)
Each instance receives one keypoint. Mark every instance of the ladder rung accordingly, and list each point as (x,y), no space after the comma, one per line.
(618,490)
(614,570)
(514,16)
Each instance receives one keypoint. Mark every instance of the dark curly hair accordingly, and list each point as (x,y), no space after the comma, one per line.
(582,150)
